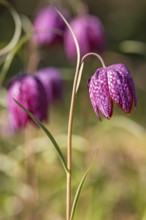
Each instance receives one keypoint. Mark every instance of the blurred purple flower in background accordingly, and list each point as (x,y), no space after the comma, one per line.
(51,79)
(49,27)
(112,84)
(90,35)
(29,91)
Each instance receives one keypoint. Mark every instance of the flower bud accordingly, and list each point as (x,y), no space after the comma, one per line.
(29,92)
(90,34)
(52,81)
(49,27)
(113,84)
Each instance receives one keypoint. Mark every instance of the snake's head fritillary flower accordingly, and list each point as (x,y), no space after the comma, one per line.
(29,91)
(113,84)
(49,27)
(51,78)
(90,34)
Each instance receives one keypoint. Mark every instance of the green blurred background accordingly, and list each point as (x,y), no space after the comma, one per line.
(116,187)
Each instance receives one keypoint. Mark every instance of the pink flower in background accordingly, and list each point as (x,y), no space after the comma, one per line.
(113,84)
(90,35)
(49,27)
(51,79)
(29,91)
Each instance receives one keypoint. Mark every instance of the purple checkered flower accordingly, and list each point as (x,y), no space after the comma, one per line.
(90,34)
(49,27)
(29,91)
(113,84)
(52,81)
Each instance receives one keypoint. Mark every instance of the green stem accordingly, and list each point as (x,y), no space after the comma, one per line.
(70,123)
(69,144)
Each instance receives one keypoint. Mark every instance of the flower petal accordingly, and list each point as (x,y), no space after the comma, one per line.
(119,90)
(124,72)
(99,93)
(115,86)
(124,87)
(29,91)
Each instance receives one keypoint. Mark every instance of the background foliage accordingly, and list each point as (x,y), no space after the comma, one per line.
(116,188)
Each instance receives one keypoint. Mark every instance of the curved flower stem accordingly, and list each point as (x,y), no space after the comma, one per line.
(96,55)
(16,36)
(70,123)
(70,120)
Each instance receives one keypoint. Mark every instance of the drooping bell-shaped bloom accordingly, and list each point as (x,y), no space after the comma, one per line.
(51,79)
(113,84)
(49,27)
(90,34)
(29,92)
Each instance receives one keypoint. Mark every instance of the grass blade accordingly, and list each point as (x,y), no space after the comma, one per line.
(76,198)
(50,136)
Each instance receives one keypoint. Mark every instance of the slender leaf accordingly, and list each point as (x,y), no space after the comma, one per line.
(50,136)
(76,198)
(79,76)
(74,38)
(27,26)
